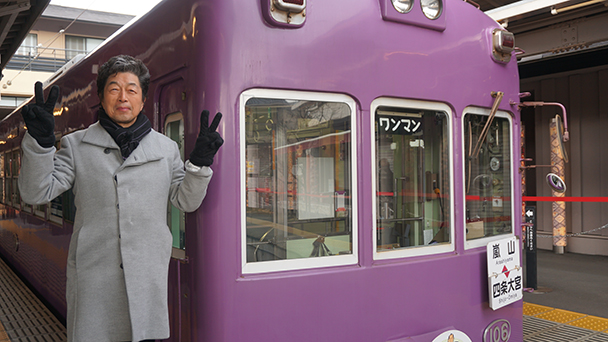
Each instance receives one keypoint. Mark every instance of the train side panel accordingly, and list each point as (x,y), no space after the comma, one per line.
(351,50)
(206,55)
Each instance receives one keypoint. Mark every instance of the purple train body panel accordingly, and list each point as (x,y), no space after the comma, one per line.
(204,55)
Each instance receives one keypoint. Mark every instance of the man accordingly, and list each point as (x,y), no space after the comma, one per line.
(122,174)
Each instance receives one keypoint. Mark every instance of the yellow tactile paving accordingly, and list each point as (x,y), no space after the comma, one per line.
(560,316)
(566,317)
(535,309)
(591,323)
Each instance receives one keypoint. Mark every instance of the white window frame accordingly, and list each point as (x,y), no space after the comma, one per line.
(483,242)
(304,263)
(415,250)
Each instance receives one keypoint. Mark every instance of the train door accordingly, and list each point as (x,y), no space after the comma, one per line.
(171,104)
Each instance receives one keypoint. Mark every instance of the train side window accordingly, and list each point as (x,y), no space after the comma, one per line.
(8,181)
(7,178)
(16,168)
(68,206)
(12,176)
(412,164)
(176,219)
(55,208)
(2,179)
(59,209)
(299,197)
(40,210)
(488,176)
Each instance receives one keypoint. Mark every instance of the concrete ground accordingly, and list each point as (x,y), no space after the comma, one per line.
(573,282)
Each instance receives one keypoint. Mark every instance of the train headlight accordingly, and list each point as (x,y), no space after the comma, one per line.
(408,12)
(503,43)
(291,5)
(285,13)
(403,6)
(432,8)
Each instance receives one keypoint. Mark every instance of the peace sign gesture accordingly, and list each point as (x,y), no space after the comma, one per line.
(208,142)
(39,118)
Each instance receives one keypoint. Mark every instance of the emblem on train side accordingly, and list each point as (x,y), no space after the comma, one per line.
(452,336)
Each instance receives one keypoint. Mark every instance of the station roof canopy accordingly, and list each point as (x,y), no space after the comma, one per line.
(16,19)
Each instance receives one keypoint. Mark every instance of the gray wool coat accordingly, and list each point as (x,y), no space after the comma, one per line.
(120,248)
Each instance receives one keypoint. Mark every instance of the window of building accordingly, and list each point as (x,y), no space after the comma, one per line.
(75,45)
(29,46)
(412,163)
(488,176)
(12,101)
(299,198)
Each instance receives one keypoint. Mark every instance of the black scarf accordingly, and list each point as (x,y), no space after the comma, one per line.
(126,138)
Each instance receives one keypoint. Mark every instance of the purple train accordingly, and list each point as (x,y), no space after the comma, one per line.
(371,155)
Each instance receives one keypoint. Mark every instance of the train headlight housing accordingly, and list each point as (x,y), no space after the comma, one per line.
(427,13)
(503,44)
(296,6)
(285,13)
(403,6)
(432,8)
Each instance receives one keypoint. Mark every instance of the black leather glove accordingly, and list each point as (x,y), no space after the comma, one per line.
(39,118)
(208,141)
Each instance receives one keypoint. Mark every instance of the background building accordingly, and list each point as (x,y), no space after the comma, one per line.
(58,36)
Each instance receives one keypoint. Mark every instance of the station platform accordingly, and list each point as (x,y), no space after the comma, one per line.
(543,323)
(570,303)
(24,318)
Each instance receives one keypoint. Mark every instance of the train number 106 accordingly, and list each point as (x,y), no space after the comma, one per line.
(497,331)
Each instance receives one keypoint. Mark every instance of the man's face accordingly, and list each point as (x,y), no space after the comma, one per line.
(122,98)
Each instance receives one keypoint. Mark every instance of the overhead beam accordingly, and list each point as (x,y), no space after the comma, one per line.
(521,7)
(16,29)
(566,37)
(9,14)
(20,6)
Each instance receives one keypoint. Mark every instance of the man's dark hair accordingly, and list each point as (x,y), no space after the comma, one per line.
(123,63)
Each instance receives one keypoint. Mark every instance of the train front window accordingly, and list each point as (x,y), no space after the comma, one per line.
(488,176)
(298,180)
(413,191)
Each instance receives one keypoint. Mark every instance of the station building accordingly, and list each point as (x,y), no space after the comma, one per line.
(60,35)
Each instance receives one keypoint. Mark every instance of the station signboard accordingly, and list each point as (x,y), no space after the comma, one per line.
(505,281)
